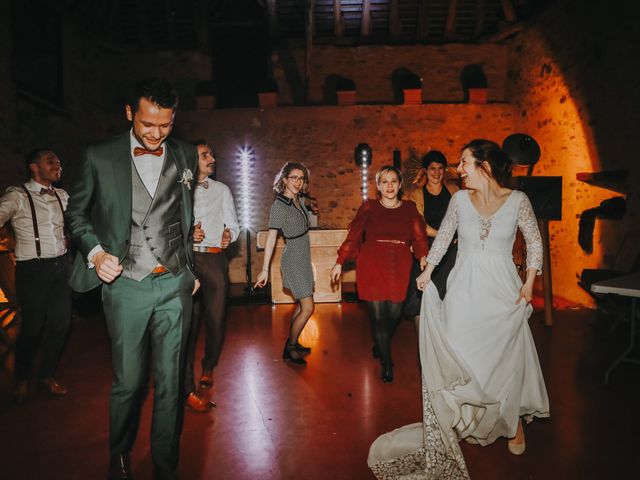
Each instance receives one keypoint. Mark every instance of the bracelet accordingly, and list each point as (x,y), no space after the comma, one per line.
(265,270)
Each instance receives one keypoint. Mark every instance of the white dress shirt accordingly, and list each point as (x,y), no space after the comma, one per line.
(213,207)
(14,206)
(149,167)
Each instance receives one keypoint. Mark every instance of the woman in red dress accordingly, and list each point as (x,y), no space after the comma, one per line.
(381,238)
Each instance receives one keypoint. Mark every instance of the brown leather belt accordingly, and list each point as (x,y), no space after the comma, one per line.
(397,242)
(159,269)
(207,249)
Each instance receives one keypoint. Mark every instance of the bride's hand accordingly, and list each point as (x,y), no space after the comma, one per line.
(423,280)
(526,292)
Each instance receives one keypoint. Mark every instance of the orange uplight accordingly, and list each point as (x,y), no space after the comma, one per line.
(557,120)
(6,320)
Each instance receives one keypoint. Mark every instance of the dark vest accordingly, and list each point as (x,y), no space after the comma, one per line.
(156,230)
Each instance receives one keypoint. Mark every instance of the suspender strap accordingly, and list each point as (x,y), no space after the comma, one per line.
(35,221)
(59,201)
(36,233)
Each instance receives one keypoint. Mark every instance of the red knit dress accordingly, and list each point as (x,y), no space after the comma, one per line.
(383,266)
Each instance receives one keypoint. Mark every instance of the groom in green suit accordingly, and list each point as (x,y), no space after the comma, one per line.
(131,215)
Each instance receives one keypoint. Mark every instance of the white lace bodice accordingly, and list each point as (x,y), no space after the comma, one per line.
(493,236)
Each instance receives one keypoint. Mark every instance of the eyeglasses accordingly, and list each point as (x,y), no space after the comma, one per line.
(295,178)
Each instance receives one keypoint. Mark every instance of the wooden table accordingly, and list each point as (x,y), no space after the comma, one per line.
(626,286)
(324,247)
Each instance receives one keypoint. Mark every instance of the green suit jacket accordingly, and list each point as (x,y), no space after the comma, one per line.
(99,210)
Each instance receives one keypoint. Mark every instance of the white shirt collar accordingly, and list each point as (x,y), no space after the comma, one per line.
(35,186)
(133,143)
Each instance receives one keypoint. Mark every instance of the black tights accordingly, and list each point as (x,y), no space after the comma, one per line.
(384,316)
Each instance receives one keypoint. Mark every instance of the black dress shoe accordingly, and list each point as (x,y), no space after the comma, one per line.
(120,467)
(301,348)
(286,355)
(387,373)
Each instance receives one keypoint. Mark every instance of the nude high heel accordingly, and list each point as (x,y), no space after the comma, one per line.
(517,448)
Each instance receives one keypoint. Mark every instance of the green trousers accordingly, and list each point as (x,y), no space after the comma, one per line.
(148,323)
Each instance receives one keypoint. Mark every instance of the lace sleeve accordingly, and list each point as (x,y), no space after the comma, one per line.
(445,234)
(528,224)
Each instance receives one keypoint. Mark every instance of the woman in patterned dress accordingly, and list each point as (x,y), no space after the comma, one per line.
(288,216)
(380,238)
(480,369)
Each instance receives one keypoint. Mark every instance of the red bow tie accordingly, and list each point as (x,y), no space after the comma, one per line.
(143,151)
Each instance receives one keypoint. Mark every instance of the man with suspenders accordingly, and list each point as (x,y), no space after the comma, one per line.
(36,210)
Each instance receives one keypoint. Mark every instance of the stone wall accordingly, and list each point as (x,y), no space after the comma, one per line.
(573,84)
(371,68)
(324,138)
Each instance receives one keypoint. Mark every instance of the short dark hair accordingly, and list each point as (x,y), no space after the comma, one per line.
(197,143)
(490,152)
(34,155)
(155,89)
(434,156)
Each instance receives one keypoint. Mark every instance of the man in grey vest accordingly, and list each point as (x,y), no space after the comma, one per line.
(131,216)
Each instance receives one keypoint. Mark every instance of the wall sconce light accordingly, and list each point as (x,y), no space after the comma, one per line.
(363,157)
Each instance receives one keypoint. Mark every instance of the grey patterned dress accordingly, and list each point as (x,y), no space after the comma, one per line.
(292,222)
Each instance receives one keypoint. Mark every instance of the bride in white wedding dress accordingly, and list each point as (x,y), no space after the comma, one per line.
(480,369)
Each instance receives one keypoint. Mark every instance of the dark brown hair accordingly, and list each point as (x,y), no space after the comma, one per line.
(490,152)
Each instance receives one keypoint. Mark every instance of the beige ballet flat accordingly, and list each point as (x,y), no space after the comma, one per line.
(516,448)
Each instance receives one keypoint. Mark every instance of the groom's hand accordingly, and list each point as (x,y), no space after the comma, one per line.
(108,266)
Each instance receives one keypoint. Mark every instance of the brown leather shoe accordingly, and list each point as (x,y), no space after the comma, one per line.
(206,379)
(53,387)
(120,467)
(21,391)
(198,404)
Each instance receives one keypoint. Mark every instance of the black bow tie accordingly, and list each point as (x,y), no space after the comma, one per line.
(203,184)
(47,191)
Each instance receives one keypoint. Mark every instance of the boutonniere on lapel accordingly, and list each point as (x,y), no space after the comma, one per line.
(187,177)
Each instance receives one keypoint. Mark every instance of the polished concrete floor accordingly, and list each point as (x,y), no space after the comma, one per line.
(278,421)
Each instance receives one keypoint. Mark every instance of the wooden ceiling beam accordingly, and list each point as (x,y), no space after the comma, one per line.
(365,30)
(201,22)
(272,14)
(479,18)
(509,11)
(395,26)
(309,31)
(450,23)
(423,17)
(338,19)
(172,34)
